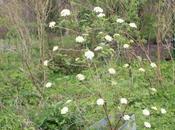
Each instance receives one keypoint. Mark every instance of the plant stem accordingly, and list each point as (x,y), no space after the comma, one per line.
(107,116)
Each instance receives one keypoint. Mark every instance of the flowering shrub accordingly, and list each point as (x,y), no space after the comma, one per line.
(98,76)
(100,41)
(98,35)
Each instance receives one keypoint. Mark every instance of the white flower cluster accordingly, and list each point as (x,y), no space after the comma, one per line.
(52,24)
(45,63)
(80,77)
(48,85)
(126,46)
(98,48)
(100,102)
(89,55)
(111,71)
(123,101)
(80,39)
(65,12)
(99,12)
(126,117)
(108,38)
(120,20)
(64,110)
(132,25)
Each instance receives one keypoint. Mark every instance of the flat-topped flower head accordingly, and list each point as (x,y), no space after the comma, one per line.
(68,101)
(98,48)
(154,108)
(132,25)
(48,85)
(153,65)
(146,112)
(65,12)
(98,9)
(100,33)
(102,44)
(163,111)
(80,77)
(108,38)
(126,117)
(89,55)
(111,71)
(52,24)
(126,46)
(131,41)
(77,59)
(116,35)
(126,65)
(55,48)
(120,20)
(153,90)
(100,15)
(100,102)
(45,63)
(141,69)
(80,39)
(123,101)
(147,124)
(64,110)
(85,34)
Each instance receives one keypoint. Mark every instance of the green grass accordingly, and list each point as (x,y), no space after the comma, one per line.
(21,108)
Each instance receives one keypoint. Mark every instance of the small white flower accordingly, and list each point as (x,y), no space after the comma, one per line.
(120,21)
(52,24)
(153,65)
(45,63)
(55,48)
(100,15)
(131,41)
(108,38)
(146,112)
(89,55)
(126,46)
(111,71)
(126,65)
(48,85)
(100,33)
(147,124)
(85,34)
(77,59)
(133,25)
(102,44)
(154,108)
(116,35)
(141,69)
(68,101)
(64,110)
(65,12)
(139,58)
(80,77)
(163,111)
(100,102)
(98,48)
(126,117)
(98,10)
(80,39)
(123,101)
(153,89)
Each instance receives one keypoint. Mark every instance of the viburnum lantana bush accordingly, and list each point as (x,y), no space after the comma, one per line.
(100,41)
